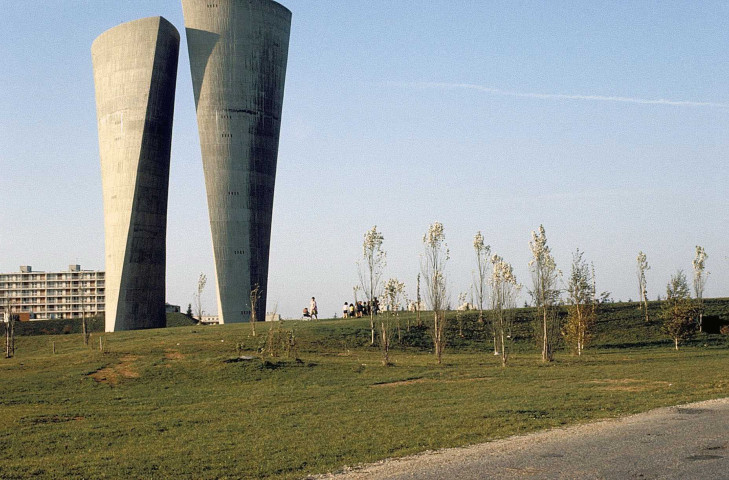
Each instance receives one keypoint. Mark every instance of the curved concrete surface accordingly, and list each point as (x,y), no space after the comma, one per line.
(135,72)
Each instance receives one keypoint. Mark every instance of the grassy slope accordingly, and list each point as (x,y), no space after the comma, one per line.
(166,403)
(94,324)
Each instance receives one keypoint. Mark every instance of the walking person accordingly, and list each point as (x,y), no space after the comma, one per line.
(313,310)
(345,310)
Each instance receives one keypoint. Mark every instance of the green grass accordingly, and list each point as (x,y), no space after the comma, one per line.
(173,403)
(94,324)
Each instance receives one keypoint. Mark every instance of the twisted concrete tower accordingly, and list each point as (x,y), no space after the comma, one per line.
(135,70)
(238,53)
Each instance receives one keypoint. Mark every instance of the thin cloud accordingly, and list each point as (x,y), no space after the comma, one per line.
(563,96)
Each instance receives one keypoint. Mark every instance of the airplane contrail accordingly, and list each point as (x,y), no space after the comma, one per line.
(563,96)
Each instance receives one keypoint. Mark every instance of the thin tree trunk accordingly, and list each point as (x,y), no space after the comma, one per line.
(701,321)
(503,345)
(545,342)
(437,326)
(417,305)
(385,345)
(12,337)
(372,325)
(580,331)
(676,341)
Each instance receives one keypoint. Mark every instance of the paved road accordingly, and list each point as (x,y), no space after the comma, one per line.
(685,442)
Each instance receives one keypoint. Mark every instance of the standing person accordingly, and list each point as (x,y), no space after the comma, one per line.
(313,310)
(345,310)
(351,309)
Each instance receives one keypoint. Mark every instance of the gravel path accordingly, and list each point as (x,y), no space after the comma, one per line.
(683,442)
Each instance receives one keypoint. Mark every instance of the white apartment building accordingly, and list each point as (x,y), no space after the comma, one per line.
(74,293)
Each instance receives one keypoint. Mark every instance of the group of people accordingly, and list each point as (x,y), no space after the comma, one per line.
(355,309)
(312,312)
(360,309)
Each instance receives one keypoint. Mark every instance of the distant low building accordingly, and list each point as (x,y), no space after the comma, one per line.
(209,320)
(415,306)
(169,308)
(215,320)
(34,295)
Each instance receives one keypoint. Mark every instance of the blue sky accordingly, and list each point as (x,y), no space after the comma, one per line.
(491,116)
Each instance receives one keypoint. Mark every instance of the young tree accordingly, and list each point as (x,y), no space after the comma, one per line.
(393,298)
(432,266)
(188,314)
(254,296)
(700,277)
(9,335)
(504,293)
(642,284)
(480,280)
(581,309)
(480,276)
(678,310)
(9,323)
(84,330)
(417,305)
(201,281)
(370,271)
(544,292)
(355,290)
(459,312)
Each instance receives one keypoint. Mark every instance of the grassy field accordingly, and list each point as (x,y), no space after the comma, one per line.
(178,402)
(94,324)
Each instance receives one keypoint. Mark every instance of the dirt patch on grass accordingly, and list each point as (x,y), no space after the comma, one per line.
(413,381)
(113,373)
(173,355)
(400,383)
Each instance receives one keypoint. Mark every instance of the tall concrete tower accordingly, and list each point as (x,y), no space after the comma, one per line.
(135,70)
(238,53)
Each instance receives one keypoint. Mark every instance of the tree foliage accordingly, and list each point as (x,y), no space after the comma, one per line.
(700,277)
(432,266)
(370,269)
(678,310)
(504,292)
(545,292)
(201,282)
(394,294)
(481,275)
(581,303)
(643,267)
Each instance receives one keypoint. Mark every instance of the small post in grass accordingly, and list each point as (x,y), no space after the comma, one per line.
(54,348)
